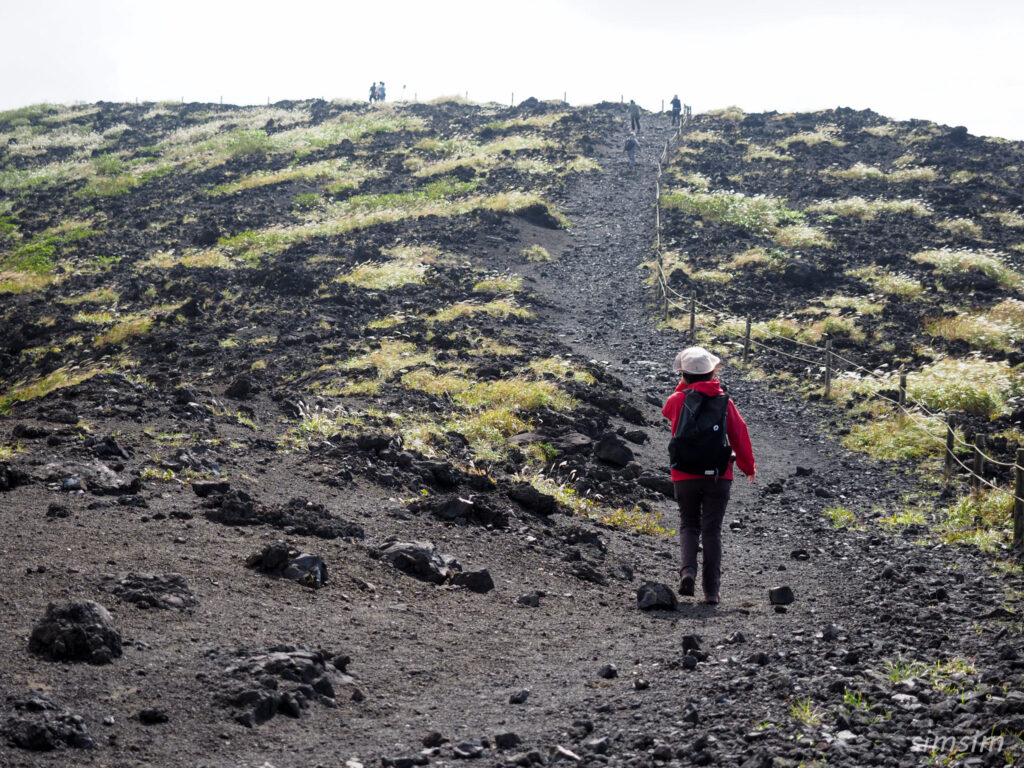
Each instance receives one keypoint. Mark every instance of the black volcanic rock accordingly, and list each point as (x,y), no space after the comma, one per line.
(79,631)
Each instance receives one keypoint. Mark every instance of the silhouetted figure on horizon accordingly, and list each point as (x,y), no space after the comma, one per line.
(634,116)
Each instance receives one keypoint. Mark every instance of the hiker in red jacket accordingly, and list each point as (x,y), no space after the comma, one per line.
(702,498)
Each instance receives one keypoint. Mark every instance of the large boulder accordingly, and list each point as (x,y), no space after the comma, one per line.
(420,559)
(79,631)
(93,476)
(612,449)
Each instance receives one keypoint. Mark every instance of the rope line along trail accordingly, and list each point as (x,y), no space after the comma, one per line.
(670,299)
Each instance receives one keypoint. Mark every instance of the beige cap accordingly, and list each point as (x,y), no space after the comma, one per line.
(695,360)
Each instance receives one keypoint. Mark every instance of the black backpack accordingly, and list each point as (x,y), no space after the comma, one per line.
(700,445)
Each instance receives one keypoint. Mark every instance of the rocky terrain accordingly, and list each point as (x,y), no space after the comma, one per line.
(330,435)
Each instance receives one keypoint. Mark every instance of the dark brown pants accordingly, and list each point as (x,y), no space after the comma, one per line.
(701,511)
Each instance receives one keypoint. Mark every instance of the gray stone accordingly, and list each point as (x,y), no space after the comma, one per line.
(612,450)
(519,697)
(153,716)
(93,476)
(165,591)
(46,731)
(530,599)
(655,595)
(507,740)
(419,559)
(530,498)
(608,672)
(474,581)
(468,750)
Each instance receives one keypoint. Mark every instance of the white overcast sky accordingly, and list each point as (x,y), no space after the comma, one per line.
(951,61)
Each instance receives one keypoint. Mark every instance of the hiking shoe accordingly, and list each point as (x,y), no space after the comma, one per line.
(686,585)
(711,599)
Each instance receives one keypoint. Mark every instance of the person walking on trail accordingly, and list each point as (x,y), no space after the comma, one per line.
(677,107)
(701,464)
(380,91)
(373,92)
(632,145)
(634,116)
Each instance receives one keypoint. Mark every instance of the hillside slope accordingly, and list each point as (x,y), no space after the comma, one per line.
(347,328)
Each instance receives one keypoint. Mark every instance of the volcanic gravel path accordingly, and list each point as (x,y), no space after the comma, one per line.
(864,598)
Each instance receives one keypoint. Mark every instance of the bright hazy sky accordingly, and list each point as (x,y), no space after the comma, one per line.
(950,61)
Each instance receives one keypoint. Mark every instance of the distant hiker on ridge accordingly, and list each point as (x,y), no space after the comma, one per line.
(373,93)
(634,116)
(677,107)
(632,145)
(707,433)
(380,91)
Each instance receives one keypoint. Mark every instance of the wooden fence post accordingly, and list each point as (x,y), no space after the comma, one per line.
(950,444)
(828,368)
(693,317)
(979,462)
(746,343)
(1018,503)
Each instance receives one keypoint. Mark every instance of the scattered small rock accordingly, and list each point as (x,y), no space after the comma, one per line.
(608,672)
(519,697)
(508,740)
(474,581)
(468,750)
(281,560)
(655,595)
(530,599)
(153,716)
(781,595)
(530,498)
(151,590)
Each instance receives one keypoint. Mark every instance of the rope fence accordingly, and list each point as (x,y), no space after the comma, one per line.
(829,362)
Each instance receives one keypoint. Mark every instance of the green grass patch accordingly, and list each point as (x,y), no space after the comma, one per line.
(960,227)
(502,308)
(953,261)
(760,214)
(123,331)
(861,208)
(889,283)
(506,283)
(561,368)
(822,134)
(801,236)
(999,328)
(385,276)
(334,175)
(899,437)
(389,358)
(519,393)
(841,517)
(536,253)
(436,382)
(30,390)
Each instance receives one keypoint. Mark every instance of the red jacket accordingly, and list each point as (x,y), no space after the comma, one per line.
(735,427)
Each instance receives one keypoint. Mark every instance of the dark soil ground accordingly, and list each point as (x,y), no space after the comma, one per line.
(896,650)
